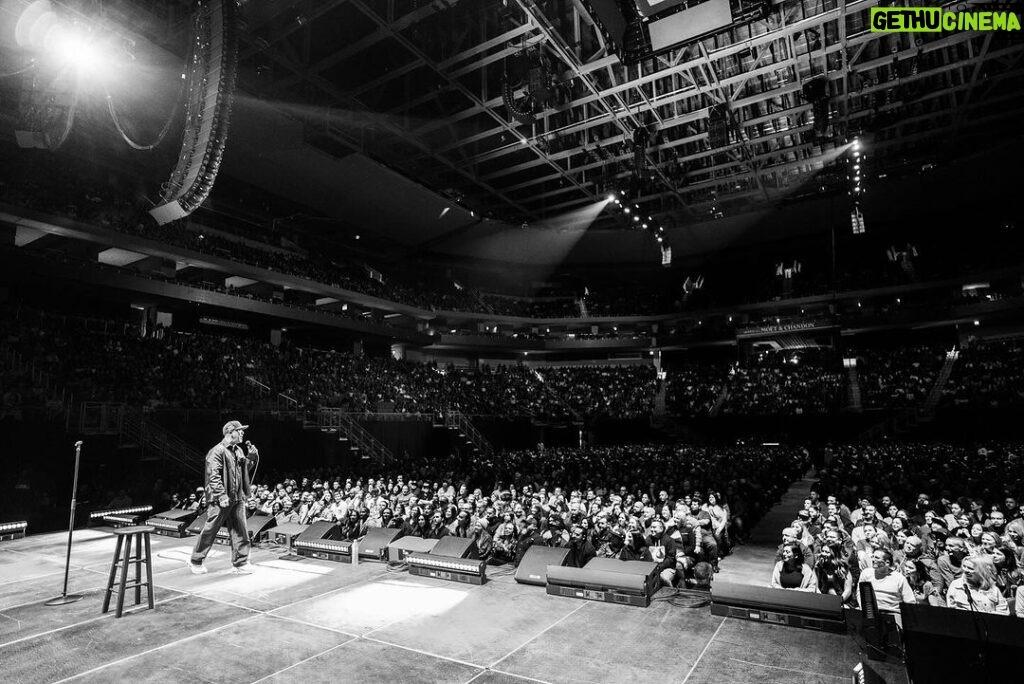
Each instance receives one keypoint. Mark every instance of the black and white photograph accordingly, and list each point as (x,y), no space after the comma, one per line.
(511,341)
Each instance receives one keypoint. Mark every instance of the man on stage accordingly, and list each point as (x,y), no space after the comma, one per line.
(227,489)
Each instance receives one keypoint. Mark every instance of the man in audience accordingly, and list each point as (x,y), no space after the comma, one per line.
(891,588)
(950,563)
(662,549)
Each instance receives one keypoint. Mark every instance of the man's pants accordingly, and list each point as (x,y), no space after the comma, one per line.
(234,517)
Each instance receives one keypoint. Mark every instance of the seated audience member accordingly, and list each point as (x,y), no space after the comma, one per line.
(832,575)
(635,546)
(791,572)
(891,588)
(1008,575)
(484,540)
(975,543)
(353,527)
(687,548)
(612,547)
(718,511)
(1014,539)
(438,529)
(790,536)
(976,589)
(950,563)
(419,526)
(920,583)
(288,513)
(505,542)
(461,527)
(703,573)
(662,549)
(581,551)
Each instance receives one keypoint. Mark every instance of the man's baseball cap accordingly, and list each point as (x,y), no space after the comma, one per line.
(233,425)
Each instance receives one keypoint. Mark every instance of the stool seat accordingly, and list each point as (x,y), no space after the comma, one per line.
(142,556)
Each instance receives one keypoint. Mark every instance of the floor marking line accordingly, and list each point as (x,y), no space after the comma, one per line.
(703,651)
(304,660)
(154,649)
(83,622)
(422,652)
(539,634)
(790,669)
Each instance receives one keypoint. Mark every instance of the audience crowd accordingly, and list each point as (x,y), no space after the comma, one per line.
(900,377)
(988,375)
(693,389)
(786,382)
(930,523)
(681,506)
(111,361)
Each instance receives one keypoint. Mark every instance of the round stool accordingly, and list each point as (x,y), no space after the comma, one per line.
(124,559)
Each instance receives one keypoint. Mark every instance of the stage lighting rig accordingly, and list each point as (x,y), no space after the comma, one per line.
(531,69)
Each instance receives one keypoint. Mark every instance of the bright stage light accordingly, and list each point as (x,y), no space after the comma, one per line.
(78,52)
(70,44)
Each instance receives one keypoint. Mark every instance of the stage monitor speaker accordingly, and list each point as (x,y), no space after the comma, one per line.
(599,585)
(256,526)
(533,568)
(374,545)
(778,606)
(972,646)
(649,569)
(590,578)
(176,514)
(456,547)
(403,546)
(320,530)
(173,522)
(286,533)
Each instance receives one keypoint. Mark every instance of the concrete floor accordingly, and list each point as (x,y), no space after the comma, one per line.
(317,621)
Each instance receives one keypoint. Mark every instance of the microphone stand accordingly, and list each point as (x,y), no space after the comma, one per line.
(65,597)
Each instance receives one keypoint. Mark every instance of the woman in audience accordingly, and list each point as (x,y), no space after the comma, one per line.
(920,584)
(976,589)
(791,572)
(832,575)
(719,512)
(973,539)
(1008,575)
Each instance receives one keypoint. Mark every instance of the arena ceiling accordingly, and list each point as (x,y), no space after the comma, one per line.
(418,86)
(348,104)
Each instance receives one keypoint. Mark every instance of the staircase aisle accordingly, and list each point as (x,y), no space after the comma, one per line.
(753,562)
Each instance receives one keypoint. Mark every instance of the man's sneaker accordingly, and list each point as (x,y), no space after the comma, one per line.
(197,569)
(245,569)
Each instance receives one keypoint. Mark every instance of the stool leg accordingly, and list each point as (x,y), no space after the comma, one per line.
(138,568)
(124,573)
(113,571)
(149,571)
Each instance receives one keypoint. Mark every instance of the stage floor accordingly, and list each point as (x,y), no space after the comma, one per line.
(317,621)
